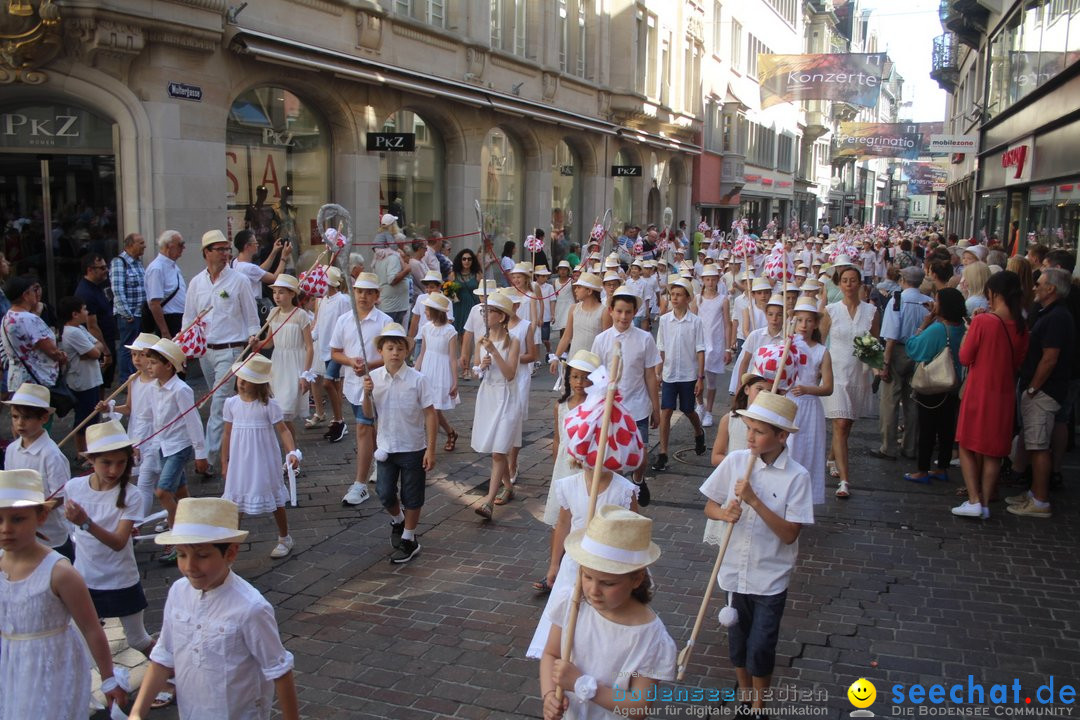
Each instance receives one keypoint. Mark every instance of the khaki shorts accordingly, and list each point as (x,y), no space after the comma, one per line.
(1037,417)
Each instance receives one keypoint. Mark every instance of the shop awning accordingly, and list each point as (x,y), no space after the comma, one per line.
(283,51)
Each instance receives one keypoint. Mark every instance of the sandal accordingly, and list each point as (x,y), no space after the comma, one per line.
(504,495)
(542,587)
(834,472)
(163,700)
(314,421)
(843,491)
(451,441)
(484,510)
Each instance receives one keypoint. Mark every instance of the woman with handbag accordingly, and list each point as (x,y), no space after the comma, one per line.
(29,344)
(936,383)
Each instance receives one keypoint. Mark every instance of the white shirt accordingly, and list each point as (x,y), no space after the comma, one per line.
(680,340)
(102,567)
(44,456)
(253,273)
(757,561)
(233,317)
(331,309)
(163,276)
(345,339)
(400,401)
(639,356)
(475,322)
(758,339)
(82,373)
(225,649)
(639,287)
(169,400)
(652,292)
(418,310)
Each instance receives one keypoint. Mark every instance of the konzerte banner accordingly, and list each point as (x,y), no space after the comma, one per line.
(853,78)
(923,178)
(900,140)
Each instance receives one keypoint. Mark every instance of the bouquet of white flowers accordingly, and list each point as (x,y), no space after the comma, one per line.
(868,349)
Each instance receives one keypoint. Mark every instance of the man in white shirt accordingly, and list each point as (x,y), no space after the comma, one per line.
(355,358)
(638,385)
(681,342)
(166,291)
(247,245)
(231,324)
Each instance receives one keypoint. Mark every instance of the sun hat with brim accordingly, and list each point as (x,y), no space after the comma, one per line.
(585,360)
(106,437)
(22,488)
(202,521)
(773,409)
(31,395)
(541,270)
(144,341)
(710,271)
(213,237)
(979,251)
(255,371)
(624,293)
(637,263)
(501,303)
(612,276)
(562,264)
(432,276)
(491,286)
(776,299)
(521,268)
(512,293)
(287,282)
(171,352)
(661,263)
(843,262)
(588,280)
(333,275)
(437,301)
(366,281)
(683,283)
(391,330)
(616,541)
(810,285)
(760,284)
(806,305)
(387,219)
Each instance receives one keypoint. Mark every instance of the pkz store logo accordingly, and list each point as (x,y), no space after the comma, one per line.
(971,699)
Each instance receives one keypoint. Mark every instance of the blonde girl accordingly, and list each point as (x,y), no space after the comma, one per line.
(438,361)
(290,337)
(814,381)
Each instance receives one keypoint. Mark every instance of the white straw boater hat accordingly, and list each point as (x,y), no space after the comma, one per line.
(810,285)
(760,284)
(288,282)
(255,371)
(806,304)
(612,276)
(22,488)
(588,280)
(333,275)
(366,281)
(626,293)
(31,395)
(521,268)
(432,276)
(492,286)
(106,437)
(585,360)
(437,301)
(776,410)
(502,303)
(171,352)
(144,341)
(710,271)
(213,237)
(391,330)
(616,541)
(204,520)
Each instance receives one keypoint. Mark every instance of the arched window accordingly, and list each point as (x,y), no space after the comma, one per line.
(624,205)
(411,186)
(502,188)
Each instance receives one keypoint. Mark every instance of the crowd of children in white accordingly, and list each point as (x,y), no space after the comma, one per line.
(67,555)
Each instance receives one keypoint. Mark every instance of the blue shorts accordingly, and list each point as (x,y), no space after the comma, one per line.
(361,418)
(172,476)
(408,468)
(643,431)
(752,640)
(333,370)
(677,393)
(545,332)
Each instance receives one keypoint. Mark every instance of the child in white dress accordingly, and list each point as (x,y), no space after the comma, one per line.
(815,380)
(250,453)
(714,309)
(621,649)
(438,360)
(290,337)
(140,411)
(47,615)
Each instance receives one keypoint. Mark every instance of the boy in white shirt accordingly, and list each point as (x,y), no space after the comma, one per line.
(767,509)
(219,637)
(681,342)
(84,353)
(401,398)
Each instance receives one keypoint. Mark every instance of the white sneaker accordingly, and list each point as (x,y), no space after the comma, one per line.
(707,420)
(284,547)
(969,509)
(356,495)
(699,409)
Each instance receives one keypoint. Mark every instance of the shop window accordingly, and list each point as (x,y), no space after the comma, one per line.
(411,185)
(502,189)
(623,206)
(565,201)
(277,168)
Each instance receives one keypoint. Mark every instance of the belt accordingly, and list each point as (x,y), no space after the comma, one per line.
(34,635)
(225,346)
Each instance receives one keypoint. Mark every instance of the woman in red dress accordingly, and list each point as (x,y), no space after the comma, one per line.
(993,349)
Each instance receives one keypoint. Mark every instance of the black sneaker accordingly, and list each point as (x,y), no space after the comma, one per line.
(699,444)
(644,496)
(338,431)
(661,463)
(405,552)
(330,429)
(395,533)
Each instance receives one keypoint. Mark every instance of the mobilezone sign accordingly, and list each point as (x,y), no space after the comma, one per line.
(953,143)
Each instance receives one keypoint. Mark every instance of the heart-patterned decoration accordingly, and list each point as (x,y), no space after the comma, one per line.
(624,452)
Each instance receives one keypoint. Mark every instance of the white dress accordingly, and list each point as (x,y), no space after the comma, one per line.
(572,493)
(254,480)
(289,360)
(43,655)
(564,300)
(562,467)
(586,328)
(807,446)
(613,653)
(497,416)
(524,373)
(436,366)
(852,397)
(141,423)
(713,320)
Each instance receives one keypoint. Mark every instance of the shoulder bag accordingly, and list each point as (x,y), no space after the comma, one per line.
(937,376)
(61,397)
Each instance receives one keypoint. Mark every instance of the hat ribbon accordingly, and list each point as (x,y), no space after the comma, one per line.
(17,494)
(768,416)
(202,530)
(108,440)
(615,554)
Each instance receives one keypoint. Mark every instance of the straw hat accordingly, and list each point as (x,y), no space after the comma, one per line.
(31,395)
(541,270)
(843,261)
(106,437)
(810,285)
(682,282)
(288,282)
(204,520)
(585,360)
(612,276)
(171,352)
(637,263)
(776,410)
(391,330)
(432,276)
(366,281)
(521,268)
(562,264)
(144,341)
(501,303)
(979,251)
(213,237)
(776,299)
(491,286)
(710,271)
(805,304)
(334,276)
(437,301)
(761,284)
(255,371)
(616,541)
(387,219)
(512,293)
(648,264)
(661,263)
(624,293)
(22,488)
(588,280)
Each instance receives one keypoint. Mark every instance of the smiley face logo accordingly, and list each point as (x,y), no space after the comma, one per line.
(862,693)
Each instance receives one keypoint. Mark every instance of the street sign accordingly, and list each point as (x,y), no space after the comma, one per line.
(183,91)
(391,142)
(625,171)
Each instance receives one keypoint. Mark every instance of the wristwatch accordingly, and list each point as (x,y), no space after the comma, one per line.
(85,527)
(1031,392)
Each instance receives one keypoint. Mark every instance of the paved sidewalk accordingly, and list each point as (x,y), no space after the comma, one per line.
(890,586)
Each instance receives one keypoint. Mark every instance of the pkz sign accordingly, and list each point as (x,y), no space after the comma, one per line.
(625,171)
(391,142)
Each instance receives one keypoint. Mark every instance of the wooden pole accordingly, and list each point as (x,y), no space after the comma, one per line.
(91,416)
